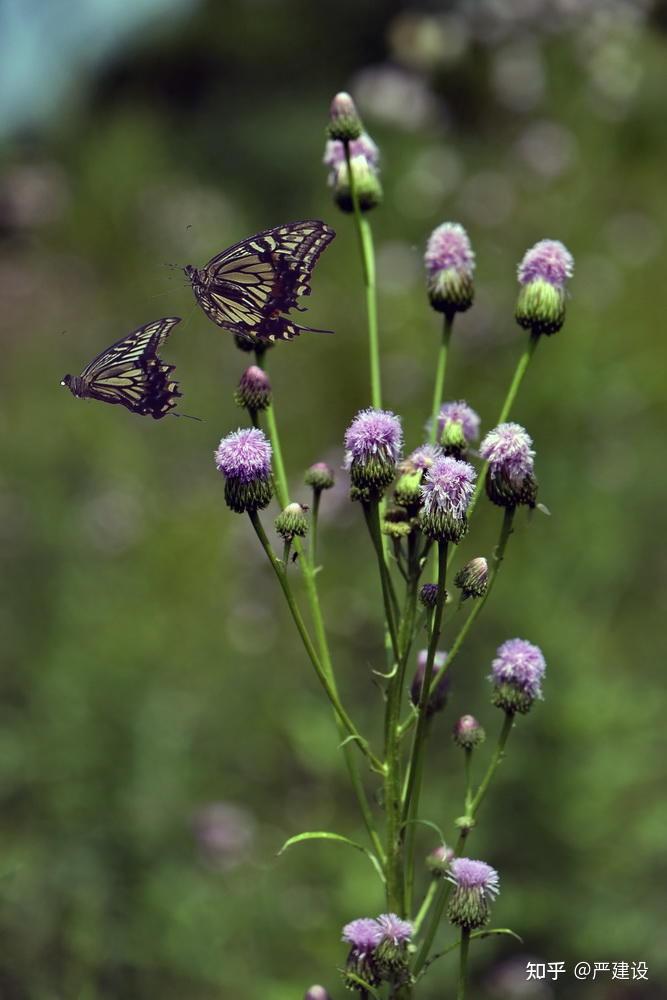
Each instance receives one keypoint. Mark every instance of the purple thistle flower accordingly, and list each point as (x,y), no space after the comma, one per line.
(364,935)
(344,121)
(244,454)
(364,166)
(244,458)
(459,412)
(440,858)
(394,930)
(508,450)
(468,733)
(521,665)
(373,443)
(468,874)
(450,263)
(254,389)
(334,154)
(448,487)
(421,459)
(548,260)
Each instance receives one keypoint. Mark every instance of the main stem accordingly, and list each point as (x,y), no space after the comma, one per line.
(367,251)
(463,964)
(413,787)
(440,376)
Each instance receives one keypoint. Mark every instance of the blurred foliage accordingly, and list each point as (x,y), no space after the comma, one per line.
(149,667)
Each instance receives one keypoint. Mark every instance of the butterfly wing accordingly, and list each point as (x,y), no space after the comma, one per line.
(251,283)
(131,373)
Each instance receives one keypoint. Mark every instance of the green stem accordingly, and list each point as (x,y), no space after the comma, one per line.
(440,376)
(426,904)
(367,251)
(467,765)
(445,887)
(308,570)
(314,519)
(372,515)
(413,786)
(521,369)
(463,964)
(331,693)
(478,603)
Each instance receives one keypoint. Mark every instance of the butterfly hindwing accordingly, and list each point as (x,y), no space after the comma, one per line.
(249,285)
(131,373)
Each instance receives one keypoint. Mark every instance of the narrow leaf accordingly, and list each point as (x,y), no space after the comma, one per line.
(339,838)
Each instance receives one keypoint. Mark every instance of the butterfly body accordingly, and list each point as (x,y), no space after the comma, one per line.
(247,288)
(130,373)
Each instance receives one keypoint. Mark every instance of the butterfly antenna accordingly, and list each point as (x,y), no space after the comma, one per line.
(188,416)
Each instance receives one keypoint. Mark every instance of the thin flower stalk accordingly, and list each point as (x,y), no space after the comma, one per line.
(440,371)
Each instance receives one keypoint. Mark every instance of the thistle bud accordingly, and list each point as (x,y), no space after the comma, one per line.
(475,886)
(468,733)
(511,479)
(344,120)
(392,951)
(516,674)
(373,444)
(428,595)
(472,580)
(453,440)
(292,522)
(437,697)
(542,275)
(316,993)
(397,523)
(439,860)
(254,389)
(319,476)
(450,264)
(408,490)
(446,492)
(364,164)
(244,459)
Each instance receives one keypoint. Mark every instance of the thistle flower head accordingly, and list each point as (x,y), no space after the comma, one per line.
(428,595)
(459,412)
(439,860)
(254,389)
(542,275)
(244,459)
(468,733)
(421,459)
(364,165)
(363,146)
(394,930)
(446,492)
(509,452)
(517,673)
(344,120)
(363,934)
(437,698)
(548,260)
(373,444)
(472,579)
(244,454)
(319,476)
(292,522)
(475,886)
(450,264)
(316,993)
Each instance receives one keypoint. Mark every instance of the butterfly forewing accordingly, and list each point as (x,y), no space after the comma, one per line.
(248,285)
(131,373)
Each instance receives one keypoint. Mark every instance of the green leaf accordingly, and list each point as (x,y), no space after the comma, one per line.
(361,982)
(339,838)
(491,932)
(427,822)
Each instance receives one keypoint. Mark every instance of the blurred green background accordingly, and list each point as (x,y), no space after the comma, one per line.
(161,732)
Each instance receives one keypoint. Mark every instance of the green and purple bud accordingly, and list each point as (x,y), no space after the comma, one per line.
(473,579)
(439,860)
(319,476)
(542,274)
(475,886)
(316,993)
(364,164)
(292,522)
(450,265)
(254,389)
(458,427)
(428,595)
(344,121)
(468,733)
(244,459)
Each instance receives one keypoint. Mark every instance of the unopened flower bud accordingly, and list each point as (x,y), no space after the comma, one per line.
(453,439)
(450,263)
(437,698)
(397,523)
(344,120)
(292,522)
(254,389)
(319,476)
(468,733)
(408,489)
(542,276)
(428,595)
(316,993)
(475,886)
(439,860)
(367,186)
(472,580)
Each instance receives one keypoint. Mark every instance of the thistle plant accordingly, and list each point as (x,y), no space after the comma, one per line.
(418,513)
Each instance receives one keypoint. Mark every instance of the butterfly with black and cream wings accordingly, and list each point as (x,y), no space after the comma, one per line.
(247,288)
